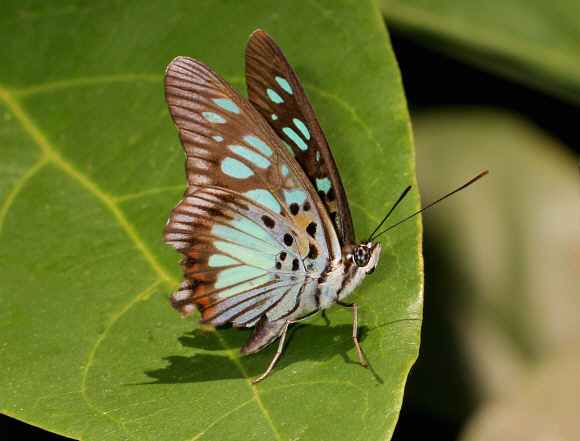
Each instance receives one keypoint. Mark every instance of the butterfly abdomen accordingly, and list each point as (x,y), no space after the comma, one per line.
(264,334)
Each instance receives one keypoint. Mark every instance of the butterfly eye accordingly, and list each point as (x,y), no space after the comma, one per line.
(361,255)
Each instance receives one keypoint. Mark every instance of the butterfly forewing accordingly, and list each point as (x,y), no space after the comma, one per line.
(274,89)
(251,225)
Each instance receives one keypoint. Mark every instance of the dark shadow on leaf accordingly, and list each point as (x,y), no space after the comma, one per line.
(325,318)
(303,343)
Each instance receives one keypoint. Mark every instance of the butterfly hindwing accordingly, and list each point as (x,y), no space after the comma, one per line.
(274,89)
(241,260)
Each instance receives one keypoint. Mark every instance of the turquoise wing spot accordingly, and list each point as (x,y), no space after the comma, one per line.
(295,196)
(242,238)
(289,148)
(214,118)
(221,260)
(284,170)
(253,229)
(245,254)
(284,84)
(218,138)
(302,128)
(250,155)
(259,144)
(265,198)
(318,156)
(228,105)
(295,138)
(238,289)
(236,169)
(323,184)
(274,96)
(274,117)
(233,276)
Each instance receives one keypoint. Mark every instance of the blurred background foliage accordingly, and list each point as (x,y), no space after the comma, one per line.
(493,84)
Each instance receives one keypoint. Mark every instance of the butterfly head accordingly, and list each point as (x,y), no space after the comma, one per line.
(363,257)
(357,261)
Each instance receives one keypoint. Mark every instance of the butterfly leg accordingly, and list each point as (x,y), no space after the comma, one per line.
(354,306)
(281,344)
(278,353)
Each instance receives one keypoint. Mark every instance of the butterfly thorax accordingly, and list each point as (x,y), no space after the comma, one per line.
(342,276)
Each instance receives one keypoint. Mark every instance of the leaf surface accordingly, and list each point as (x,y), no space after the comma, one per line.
(91,166)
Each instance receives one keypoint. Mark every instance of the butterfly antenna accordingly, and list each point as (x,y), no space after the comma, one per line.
(481,175)
(389,213)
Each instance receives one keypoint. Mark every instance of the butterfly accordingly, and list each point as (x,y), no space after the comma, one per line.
(264,224)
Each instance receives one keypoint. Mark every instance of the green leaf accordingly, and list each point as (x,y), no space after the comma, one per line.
(532,41)
(91,166)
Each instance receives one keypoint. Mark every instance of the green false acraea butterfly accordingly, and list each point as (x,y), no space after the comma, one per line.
(264,224)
